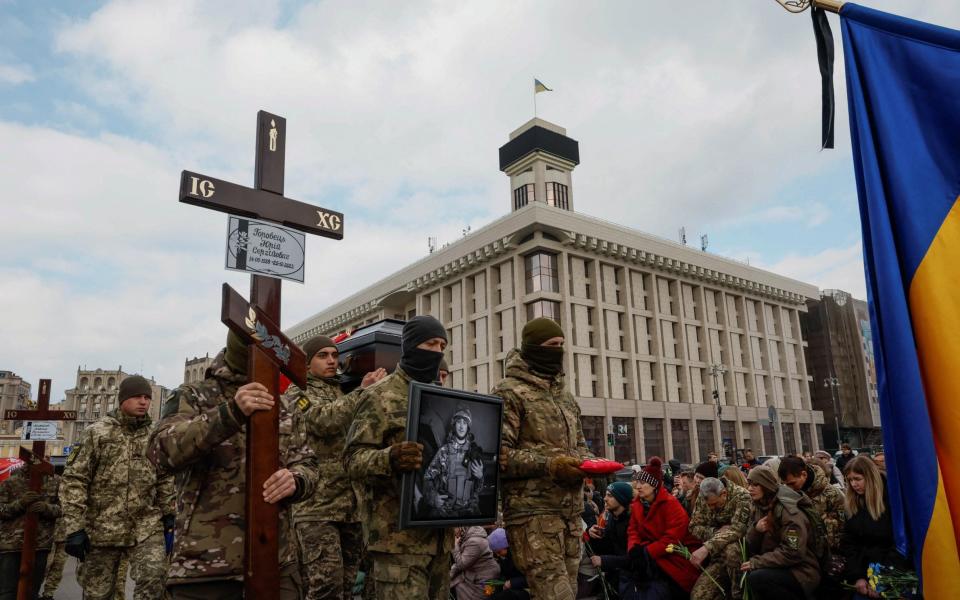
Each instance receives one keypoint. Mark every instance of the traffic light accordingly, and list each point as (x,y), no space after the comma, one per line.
(609,439)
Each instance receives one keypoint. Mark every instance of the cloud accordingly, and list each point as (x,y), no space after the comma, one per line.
(16,74)
(838,267)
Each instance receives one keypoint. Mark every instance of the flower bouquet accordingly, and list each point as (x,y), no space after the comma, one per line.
(492,586)
(889,582)
(683,551)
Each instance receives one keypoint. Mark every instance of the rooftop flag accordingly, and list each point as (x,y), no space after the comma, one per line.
(539,87)
(903,85)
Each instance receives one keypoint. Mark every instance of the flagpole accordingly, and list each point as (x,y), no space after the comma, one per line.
(833,6)
(534,98)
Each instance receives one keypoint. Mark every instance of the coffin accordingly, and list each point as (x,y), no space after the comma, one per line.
(369,348)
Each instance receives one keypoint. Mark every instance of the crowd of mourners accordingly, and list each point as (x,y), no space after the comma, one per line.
(167,499)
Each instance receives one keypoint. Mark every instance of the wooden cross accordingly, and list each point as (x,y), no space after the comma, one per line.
(37,468)
(258,323)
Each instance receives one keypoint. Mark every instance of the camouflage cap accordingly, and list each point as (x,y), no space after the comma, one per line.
(463,413)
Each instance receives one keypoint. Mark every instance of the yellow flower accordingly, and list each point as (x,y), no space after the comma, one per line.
(670,549)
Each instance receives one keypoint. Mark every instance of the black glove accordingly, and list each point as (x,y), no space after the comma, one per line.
(77,545)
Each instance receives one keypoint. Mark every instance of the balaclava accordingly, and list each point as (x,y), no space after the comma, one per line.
(421,365)
(543,360)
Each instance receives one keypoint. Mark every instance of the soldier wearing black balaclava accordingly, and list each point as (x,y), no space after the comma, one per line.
(541,450)
(413,563)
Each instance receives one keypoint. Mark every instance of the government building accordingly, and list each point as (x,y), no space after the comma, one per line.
(651,326)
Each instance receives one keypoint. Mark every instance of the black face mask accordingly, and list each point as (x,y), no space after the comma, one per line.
(545,360)
(421,365)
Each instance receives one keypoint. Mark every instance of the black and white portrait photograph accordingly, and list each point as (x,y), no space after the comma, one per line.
(457,483)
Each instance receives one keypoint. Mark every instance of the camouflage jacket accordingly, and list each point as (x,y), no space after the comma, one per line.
(541,420)
(719,528)
(788,543)
(828,501)
(13,514)
(327,414)
(379,422)
(110,489)
(200,438)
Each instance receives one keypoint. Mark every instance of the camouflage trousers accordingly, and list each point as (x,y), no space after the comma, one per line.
(409,576)
(99,573)
(329,556)
(725,570)
(58,558)
(546,548)
(232,589)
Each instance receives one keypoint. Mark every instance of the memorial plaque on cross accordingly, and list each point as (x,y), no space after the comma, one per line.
(258,323)
(37,469)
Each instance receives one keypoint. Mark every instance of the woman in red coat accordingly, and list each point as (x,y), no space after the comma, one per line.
(657,520)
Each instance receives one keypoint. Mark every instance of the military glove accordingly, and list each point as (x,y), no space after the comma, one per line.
(406,456)
(26,499)
(41,508)
(565,470)
(77,545)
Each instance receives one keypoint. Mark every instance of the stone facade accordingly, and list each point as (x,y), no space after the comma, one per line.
(645,318)
(194,368)
(14,393)
(95,394)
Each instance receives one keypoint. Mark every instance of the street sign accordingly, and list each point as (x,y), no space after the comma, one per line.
(67,450)
(39,430)
(261,248)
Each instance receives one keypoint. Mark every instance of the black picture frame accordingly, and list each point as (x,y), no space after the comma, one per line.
(433,496)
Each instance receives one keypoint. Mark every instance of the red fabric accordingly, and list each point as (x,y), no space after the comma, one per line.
(665,523)
(600,466)
(284,383)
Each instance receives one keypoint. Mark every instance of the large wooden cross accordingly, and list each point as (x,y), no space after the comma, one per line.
(37,468)
(258,323)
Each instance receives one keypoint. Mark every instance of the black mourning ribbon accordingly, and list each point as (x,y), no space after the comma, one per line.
(824,37)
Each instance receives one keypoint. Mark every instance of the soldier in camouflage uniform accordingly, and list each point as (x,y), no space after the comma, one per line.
(114,500)
(200,437)
(542,448)
(16,501)
(413,563)
(57,559)
(809,478)
(328,532)
(720,520)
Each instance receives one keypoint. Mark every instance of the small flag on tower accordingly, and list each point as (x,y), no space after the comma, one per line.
(539,87)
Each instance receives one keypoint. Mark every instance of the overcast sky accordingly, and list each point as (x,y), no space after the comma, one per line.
(697,114)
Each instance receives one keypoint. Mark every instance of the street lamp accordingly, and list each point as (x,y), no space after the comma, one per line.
(717,370)
(833,383)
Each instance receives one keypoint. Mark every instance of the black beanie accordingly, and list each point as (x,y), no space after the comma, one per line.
(708,469)
(420,329)
(539,330)
(134,386)
(316,344)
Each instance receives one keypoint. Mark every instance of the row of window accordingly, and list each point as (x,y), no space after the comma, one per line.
(557,195)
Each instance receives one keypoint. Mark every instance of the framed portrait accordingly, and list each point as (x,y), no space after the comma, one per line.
(458,483)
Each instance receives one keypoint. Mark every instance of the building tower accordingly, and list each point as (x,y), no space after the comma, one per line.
(539,159)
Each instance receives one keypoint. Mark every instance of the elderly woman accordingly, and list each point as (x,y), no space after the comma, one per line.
(473,564)
(657,521)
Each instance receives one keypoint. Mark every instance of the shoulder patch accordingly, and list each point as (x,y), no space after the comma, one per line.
(791,536)
(303,403)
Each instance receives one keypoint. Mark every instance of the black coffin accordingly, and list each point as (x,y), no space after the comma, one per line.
(369,348)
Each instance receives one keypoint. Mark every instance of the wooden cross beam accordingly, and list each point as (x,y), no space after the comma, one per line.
(258,323)
(37,468)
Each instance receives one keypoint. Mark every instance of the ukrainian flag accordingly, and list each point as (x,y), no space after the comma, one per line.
(539,87)
(903,84)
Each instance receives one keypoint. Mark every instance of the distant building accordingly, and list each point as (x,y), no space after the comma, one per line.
(95,395)
(14,393)
(645,318)
(194,368)
(844,377)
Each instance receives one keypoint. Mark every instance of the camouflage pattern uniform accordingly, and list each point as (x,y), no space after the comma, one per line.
(58,558)
(413,563)
(328,532)
(541,420)
(12,518)
(200,438)
(721,532)
(828,501)
(117,496)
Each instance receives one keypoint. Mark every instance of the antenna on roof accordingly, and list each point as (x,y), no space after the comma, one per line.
(432,244)
(683,236)
(466,231)
(704,242)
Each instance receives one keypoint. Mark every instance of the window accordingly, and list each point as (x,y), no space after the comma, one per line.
(593,434)
(624,450)
(523,195)
(769,442)
(541,272)
(705,443)
(558,195)
(681,439)
(543,308)
(805,440)
(653,438)
(789,440)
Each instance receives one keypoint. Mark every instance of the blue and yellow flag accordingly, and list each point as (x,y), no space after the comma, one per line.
(903,86)
(539,87)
